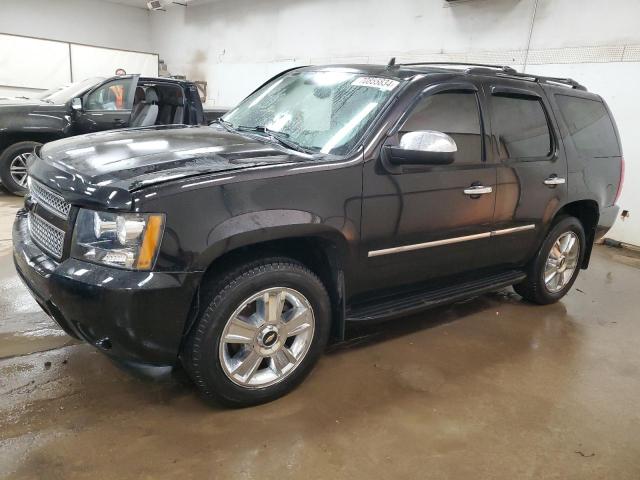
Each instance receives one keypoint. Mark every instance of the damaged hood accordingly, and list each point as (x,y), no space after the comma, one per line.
(110,165)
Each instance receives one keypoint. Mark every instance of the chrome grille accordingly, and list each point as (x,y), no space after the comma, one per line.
(46,236)
(49,199)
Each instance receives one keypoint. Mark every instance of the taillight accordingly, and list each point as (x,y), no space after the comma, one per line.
(621,181)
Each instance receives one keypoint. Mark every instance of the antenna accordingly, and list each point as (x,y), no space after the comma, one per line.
(392,63)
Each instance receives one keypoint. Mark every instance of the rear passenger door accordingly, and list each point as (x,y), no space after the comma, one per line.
(532,169)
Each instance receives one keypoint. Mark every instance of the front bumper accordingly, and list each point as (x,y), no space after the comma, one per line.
(133,316)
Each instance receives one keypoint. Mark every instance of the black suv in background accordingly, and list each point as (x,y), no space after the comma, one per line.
(330,195)
(88,106)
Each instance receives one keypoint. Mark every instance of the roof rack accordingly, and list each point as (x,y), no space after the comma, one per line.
(503,70)
(561,81)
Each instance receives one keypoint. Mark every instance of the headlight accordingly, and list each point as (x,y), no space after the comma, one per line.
(125,240)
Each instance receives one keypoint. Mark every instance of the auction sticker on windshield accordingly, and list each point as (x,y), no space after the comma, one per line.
(385,84)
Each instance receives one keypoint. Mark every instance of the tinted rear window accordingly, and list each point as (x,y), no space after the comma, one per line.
(521,126)
(590,126)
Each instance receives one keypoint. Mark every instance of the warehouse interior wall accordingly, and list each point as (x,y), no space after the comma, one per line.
(92,22)
(54,47)
(235,45)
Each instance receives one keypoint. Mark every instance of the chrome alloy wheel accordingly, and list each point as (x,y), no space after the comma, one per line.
(267,337)
(18,169)
(562,262)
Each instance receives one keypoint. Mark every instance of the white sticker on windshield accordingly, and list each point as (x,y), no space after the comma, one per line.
(385,84)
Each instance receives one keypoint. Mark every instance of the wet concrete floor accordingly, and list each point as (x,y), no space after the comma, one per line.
(491,388)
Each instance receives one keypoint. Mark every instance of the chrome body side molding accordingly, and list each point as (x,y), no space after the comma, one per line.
(448,241)
(507,231)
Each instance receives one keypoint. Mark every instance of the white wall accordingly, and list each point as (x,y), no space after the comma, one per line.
(237,44)
(29,65)
(92,22)
(255,38)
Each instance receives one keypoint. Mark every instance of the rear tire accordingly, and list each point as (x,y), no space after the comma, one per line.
(13,167)
(245,350)
(552,272)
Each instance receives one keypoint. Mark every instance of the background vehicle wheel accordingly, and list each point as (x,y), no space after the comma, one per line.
(13,167)
(259,337)
(552,273)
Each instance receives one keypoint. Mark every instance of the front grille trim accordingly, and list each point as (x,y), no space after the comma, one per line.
(49,199)
(47,236)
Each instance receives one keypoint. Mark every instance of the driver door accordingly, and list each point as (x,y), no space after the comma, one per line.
(108,106)
(423,222)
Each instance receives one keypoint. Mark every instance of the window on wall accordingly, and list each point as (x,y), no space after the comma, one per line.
(521,127)
(590,126)
(453,113)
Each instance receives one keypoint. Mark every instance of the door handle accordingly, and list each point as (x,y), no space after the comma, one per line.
(555,180)
(118,122)
(477,190)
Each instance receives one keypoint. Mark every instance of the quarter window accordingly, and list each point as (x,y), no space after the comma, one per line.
(521,127)
(453,113)
(590,126)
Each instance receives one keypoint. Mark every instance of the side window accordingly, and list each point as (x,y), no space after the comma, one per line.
(453,113)
(113,95)
(521,127)
(590,126)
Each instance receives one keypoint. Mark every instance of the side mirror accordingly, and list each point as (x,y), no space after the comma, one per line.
(423,147)
(76,103)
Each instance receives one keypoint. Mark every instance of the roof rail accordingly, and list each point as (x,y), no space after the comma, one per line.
(565,82)
(504,68)
(501,70)
(562,81)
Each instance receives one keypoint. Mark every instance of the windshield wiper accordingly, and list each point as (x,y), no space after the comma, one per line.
(280,137)
(227,125)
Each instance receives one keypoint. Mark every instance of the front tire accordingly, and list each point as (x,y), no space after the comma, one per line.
(553,271)
(260,335)
(13,167)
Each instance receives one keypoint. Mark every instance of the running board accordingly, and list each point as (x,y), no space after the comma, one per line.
(401,305)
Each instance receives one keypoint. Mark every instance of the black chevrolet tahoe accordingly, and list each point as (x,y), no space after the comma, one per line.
(90,105)
(330,195)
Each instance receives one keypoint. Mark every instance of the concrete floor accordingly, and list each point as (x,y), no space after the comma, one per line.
(489,388)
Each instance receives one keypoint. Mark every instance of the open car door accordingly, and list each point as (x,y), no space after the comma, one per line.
(107,106)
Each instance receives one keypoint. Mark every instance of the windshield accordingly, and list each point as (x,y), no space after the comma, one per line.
(324,111)
(66,92)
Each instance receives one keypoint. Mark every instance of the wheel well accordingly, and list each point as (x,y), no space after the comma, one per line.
(12,138)
(319,255)
(588,213)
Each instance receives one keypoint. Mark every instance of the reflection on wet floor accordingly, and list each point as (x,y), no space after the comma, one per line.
(8,206)
(487,388)
(24,328)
